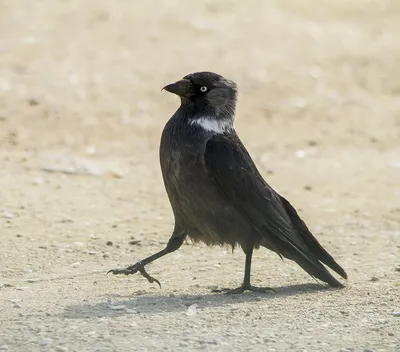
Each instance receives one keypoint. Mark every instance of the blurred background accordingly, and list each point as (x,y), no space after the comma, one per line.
(319,93)
(81,114)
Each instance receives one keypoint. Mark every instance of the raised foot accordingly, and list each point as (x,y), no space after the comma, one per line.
(133,269)
(243,288)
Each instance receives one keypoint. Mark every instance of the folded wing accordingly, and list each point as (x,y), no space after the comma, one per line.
(237,179)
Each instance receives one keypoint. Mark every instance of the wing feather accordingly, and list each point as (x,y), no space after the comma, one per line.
(237,179)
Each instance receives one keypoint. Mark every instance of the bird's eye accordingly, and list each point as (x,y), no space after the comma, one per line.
(203,89)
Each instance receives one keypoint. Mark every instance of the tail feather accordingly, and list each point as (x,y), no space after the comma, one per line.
(310,261)
(313,267)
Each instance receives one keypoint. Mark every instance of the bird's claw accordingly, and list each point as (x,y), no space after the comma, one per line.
(120,271)
(244,288)
(133,269)
(147,276)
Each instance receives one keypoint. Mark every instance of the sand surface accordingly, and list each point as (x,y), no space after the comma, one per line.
(81,115)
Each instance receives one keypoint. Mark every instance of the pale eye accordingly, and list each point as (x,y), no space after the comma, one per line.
(203,89)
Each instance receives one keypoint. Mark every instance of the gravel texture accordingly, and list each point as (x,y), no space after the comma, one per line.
(81,115)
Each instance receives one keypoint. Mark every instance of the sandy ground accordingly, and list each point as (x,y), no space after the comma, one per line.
(81,192)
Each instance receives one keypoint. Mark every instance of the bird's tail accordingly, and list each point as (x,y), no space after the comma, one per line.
(313,267)
(310,259)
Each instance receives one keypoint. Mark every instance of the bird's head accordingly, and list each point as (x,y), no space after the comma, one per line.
(208,95)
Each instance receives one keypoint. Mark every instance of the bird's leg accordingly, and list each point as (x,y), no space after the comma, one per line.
(246,286)
(174,243)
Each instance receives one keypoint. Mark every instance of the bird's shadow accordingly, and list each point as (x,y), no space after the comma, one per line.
(146,304)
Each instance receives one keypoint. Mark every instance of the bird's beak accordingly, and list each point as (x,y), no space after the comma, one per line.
(183,88)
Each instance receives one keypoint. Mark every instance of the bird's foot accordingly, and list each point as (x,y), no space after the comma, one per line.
(132,269)
(243,288)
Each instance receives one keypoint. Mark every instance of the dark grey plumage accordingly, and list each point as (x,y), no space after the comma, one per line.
(216,192)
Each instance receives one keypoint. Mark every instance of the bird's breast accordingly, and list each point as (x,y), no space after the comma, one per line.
(181,151)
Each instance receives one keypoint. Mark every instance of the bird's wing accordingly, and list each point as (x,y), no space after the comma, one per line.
(237,179)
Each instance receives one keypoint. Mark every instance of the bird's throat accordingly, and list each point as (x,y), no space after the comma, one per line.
(213,124)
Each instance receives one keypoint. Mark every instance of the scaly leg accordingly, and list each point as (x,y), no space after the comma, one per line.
(246,286)
(173,244)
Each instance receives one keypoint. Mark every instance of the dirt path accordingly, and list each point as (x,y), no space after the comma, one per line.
(81,191)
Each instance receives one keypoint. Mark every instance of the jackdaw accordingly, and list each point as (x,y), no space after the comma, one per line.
(216,192)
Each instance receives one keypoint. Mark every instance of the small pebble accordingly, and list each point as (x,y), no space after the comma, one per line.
(33,102)
(192,310)
(374,279)
(130,311)
(8,216)
(78,244)
(30,281)
(208,342)
(16,305)
(37,181)
(8,285)
(140,292)
(22,288)
(109,243)
(120,307)
(46,342)
(396,313)
(90,150)
(134,242)
(116,173)
(300,153)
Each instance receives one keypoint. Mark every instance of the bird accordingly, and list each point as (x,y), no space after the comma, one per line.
(216,192)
